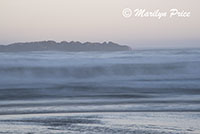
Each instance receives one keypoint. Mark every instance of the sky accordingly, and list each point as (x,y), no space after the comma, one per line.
(99,21)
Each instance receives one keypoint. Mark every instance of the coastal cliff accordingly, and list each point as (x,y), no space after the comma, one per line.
(63,46)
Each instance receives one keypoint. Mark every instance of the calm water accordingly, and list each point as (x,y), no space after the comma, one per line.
(100,88)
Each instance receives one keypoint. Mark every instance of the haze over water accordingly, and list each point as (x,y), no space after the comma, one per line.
(100,88)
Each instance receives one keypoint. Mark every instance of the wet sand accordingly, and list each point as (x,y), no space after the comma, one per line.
(99,123)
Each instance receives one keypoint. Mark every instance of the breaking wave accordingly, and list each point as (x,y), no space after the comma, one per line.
(141,80)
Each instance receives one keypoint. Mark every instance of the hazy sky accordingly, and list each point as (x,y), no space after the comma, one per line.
(98,21)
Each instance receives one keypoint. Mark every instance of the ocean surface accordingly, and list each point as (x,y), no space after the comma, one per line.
(139,91)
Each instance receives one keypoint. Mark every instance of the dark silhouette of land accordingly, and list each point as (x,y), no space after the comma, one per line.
(63,46)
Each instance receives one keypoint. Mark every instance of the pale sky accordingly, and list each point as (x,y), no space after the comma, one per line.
(98,21)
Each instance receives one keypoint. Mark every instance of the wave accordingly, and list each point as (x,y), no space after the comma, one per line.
(102,70)
(127,81)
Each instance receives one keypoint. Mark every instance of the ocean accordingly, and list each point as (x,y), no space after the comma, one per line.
(139,91)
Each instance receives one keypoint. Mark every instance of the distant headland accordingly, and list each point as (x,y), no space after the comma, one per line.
(63,46)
